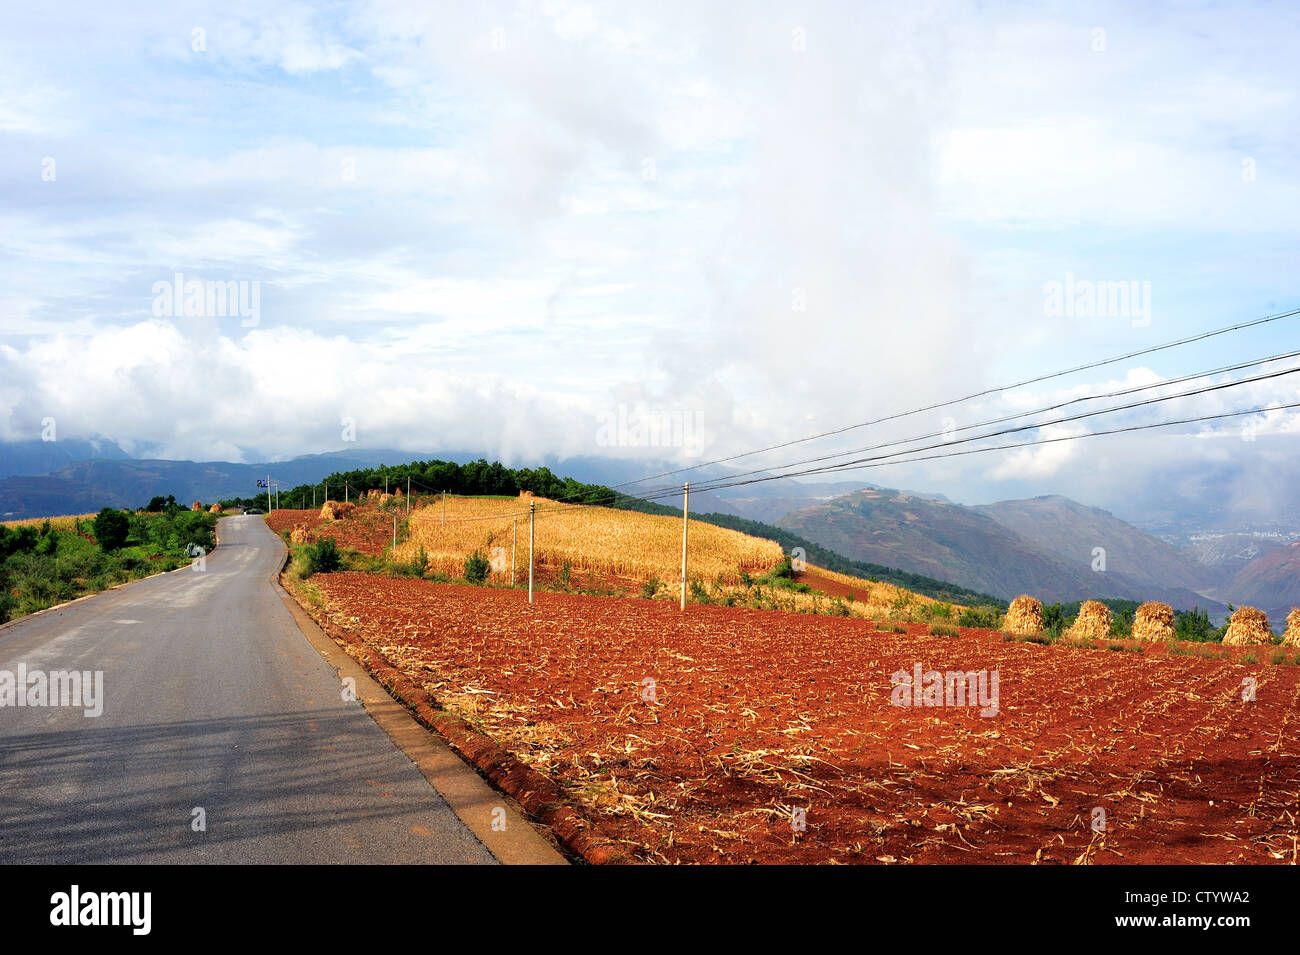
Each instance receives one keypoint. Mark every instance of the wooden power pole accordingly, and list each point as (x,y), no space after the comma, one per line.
(686,506)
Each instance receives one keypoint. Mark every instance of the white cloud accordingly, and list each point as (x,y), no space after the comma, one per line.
(481,238)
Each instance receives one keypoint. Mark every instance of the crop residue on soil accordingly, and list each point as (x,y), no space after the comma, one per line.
(753,715)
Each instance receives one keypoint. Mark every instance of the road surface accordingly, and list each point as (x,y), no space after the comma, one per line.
(213,700)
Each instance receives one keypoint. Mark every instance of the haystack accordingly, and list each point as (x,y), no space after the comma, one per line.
(196,506)
(215,509)
(333,510)
(1024,616)
(1292,636)
(525,495)
(373,493)
(1248,627)
(1153,621)
(1093,621)
(385,499)
(302,534)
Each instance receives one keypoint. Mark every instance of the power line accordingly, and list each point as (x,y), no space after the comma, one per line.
(979,394)
(1026,444)
(1022,414)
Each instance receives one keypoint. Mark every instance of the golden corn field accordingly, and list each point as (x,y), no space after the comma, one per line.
(591,540)
(63,523)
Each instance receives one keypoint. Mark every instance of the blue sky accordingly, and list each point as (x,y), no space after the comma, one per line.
(491,225)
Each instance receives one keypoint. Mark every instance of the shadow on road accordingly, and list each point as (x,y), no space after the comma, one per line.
(305,776)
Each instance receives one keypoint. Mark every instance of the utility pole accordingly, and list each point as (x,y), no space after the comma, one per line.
(268,493)
(686,506)
(513,544)
(345,492)
(394,532)
(444,508)
(313,497)
(408,495)
(532,512)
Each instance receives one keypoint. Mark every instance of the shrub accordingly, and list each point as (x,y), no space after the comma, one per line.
(1194,625)
(110,528)
(323,557)
(1121,625)
(1054,622)
(941,630)
(477,567)
(651,588)
(983,617)
(901,607)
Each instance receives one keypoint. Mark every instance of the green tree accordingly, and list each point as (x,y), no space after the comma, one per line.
(476,568)
(111,528)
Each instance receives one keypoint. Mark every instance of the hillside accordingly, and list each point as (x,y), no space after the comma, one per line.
(838,563)
(598,541)
(1270,582)
(968,547)
(1071,531)
(25,458)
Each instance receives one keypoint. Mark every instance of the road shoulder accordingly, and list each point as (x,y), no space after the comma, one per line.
(494,818)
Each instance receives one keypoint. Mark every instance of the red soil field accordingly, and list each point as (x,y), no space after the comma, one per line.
(758,713)
(827,585)
(367,529)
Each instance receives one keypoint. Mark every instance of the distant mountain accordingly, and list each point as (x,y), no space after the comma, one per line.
(771,500)
(41,457)
(89,485)
(1225,554)
(1270,582)
(969,547)
(1073,531)
(74,480)
(109,478)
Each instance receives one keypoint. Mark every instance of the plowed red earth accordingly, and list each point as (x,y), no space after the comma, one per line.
(758,713)
(827,585)
(367,529)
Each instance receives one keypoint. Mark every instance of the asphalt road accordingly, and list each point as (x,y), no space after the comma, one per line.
(213,700)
